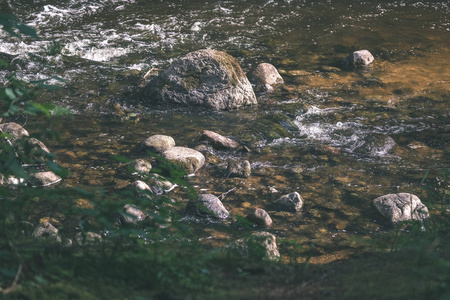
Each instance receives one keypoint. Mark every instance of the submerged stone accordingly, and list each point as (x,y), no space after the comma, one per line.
(401,207)
(206,78)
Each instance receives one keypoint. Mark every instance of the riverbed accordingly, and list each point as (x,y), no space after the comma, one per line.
(325,133)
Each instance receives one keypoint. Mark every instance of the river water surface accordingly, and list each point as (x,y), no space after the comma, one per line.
(338,137)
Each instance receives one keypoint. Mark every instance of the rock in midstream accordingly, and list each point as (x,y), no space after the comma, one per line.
(401,207)
(188,159)
(207,205)
(265,77)
(46,230)
(260,217)
(359,59)
(260,245)
(42,179)
(14,130)
(131,214)
(139,166)
(158,143)
(206,78)
(238,168)
(292,202)
(219,141)
(89,238)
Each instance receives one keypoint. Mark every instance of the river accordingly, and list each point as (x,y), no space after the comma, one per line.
(326,133)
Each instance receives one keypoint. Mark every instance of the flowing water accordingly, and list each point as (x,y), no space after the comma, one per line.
(340,138)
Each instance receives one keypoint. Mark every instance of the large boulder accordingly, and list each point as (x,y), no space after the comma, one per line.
(208,205)
(401,207)
(207,78)
(188,159)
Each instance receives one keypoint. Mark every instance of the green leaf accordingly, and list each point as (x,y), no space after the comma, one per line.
(10,93)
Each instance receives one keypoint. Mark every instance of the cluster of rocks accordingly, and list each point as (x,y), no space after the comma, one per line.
(213,79)
(28,151)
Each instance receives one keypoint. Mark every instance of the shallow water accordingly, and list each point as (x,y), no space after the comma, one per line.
(319,134)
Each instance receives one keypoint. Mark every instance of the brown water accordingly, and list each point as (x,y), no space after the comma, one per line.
(310,136)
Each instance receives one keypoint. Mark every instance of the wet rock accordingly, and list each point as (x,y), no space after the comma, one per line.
(188,159)
(141,186)
(89,238)
(10,180)
(375,144)
(292,202)
(238,168)
(44,179)
(359,59)
(219,141)
(260,217)
(265,77)
(46,230)
(259,246)
(140,166)
(14,130)
(158,143)
(208,205)
(160,184)
(131,214)
(401,207)
(206,78)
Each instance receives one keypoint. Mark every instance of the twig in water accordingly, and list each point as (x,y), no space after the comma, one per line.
(223,195)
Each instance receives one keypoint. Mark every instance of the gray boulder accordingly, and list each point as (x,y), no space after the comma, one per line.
(46,230)
(208,205)
(188,159)
(401,207)
(89,238)
(158,143)
(131,214)
(259,246)
(359,59)
(139,166)
(206,78)
(265,77)
(43,179)
(260,217)
(292,202)
(238,168)
(14,130)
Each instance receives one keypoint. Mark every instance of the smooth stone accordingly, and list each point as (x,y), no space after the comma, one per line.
(89,238)
(131,214)
(205,78)
(238,168)
(401,207)
(158,143)
(219,141)
(208,205)
(259,246)
(292,202)
(265,77)
(260,217)
(188,159)
(140,166)
(44,179)
(46,230)
(359,59)
(14,130)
